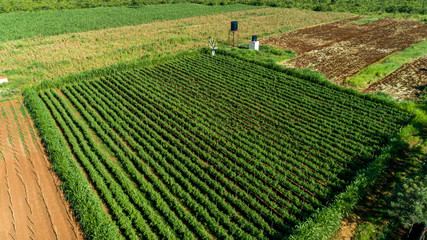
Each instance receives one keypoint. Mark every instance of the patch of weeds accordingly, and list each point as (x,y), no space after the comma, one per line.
(366,231)
(266,53)
(12,72)
(366,20)
(179,39)
(7,93)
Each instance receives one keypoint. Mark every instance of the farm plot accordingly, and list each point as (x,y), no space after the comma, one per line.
(341,49)
(216,147)
(32,207)
(405,83)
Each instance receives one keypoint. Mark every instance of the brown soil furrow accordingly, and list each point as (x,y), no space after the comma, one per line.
(37,209)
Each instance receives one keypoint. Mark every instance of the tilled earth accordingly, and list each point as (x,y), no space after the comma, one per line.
(405,83)
(342,48)
(31,204)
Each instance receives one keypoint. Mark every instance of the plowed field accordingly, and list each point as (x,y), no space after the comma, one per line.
(405,83)
(342,48)
(32,207)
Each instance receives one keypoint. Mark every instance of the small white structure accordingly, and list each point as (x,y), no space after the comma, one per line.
(254,45)
(212,44)
(3,79)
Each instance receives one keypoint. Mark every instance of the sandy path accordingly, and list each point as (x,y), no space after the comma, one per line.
(32,207)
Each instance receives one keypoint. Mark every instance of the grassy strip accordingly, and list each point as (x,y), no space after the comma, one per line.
(387,65)
(87,207)
(53,22)
(366,20)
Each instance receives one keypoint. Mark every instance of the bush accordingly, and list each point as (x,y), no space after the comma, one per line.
(409,200)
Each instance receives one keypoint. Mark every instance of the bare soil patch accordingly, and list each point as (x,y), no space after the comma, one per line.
(341,49)
(32,205)
(406,83)
(347,229)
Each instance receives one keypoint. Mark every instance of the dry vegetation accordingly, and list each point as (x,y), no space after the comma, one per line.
(32,60)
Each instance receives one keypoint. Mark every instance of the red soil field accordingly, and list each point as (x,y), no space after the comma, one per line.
(32,205)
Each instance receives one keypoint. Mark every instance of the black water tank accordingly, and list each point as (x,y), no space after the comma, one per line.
(254,38)
(234,26)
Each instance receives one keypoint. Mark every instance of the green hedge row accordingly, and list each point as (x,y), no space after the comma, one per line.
(87,207)
(357,6)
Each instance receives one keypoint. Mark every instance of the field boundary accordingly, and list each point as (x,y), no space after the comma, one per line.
(384,67)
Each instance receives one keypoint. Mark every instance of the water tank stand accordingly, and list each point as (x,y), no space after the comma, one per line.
(234,37)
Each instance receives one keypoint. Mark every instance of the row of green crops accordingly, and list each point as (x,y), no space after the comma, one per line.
(217,147)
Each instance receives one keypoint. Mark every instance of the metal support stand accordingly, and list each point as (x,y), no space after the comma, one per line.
(234,37)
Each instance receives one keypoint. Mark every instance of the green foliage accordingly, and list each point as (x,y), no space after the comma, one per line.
(409,200)
(45,23)
(100,72)
(357,6)
(365,20)
(367,231)
(267,54)
(423,95)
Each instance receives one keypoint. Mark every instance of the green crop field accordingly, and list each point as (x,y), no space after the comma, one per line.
(53,22)
(207,147)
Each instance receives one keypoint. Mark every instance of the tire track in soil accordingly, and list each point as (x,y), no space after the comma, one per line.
(36,208)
